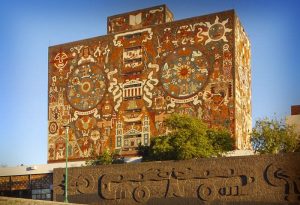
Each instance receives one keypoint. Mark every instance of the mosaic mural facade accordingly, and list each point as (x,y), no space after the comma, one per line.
(116,90)
(242,86)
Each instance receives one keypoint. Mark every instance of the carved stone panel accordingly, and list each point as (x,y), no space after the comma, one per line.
(266,178)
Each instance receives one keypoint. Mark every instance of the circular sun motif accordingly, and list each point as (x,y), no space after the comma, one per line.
(60,60)
(186,75)
(86,87)
(216,31)
(53,127)
(184,72)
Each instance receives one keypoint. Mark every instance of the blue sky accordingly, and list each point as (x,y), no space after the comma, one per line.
(28,28)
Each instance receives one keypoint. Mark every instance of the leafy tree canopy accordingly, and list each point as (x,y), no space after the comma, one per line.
(105,158)
(189,138)
(273,136)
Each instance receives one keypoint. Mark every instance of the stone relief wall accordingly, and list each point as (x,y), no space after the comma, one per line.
(115,91)
(267,178)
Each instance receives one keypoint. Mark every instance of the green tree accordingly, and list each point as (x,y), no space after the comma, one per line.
(105,158)
(189,138)
(273,136)
(221,140)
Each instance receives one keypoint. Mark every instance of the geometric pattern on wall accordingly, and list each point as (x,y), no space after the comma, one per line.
(25,182)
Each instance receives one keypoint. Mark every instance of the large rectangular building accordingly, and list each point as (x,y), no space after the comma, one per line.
(115,91)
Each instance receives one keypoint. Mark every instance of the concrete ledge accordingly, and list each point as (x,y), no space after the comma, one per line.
(19,201)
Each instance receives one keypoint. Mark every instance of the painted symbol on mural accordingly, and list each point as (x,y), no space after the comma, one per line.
(244,79)
(217,31)
(85,123)
(53,127)
(186,75)
(60,60)
(95,135)
(60,148)
(86,87)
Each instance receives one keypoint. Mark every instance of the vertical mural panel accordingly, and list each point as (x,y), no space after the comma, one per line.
(196,72)
(78,96)
(243,110)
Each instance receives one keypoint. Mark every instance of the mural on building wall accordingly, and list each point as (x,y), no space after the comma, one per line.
(115,91)
(242,86)
(138,19)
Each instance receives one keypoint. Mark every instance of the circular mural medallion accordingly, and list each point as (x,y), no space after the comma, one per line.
(53,127)
(216,31)
(86,87)
(184,72)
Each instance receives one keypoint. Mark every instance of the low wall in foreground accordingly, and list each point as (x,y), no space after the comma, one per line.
(18,201)
(265,179)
